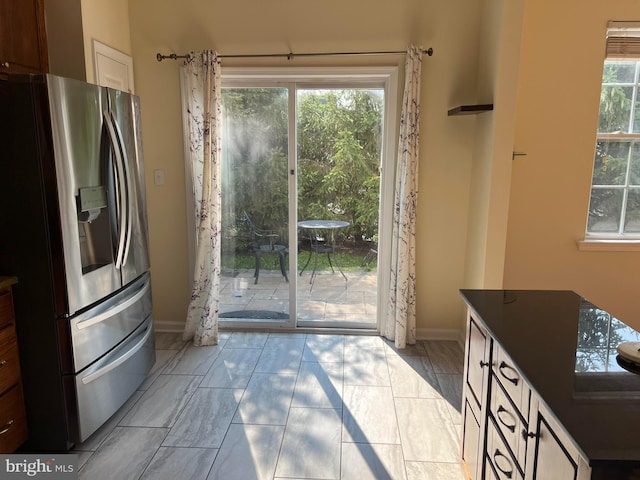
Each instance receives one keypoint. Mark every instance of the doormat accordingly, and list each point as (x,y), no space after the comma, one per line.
(256,314)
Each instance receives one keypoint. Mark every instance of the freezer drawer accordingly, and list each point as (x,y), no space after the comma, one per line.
(104,387)
(98,330)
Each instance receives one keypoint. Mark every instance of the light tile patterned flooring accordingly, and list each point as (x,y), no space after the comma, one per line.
(294,406)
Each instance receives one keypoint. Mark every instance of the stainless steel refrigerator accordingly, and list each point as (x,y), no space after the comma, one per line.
(73,229)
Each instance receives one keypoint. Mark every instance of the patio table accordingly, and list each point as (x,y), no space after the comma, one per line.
(316,228)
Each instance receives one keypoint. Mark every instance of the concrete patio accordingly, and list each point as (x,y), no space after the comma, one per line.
(329,299)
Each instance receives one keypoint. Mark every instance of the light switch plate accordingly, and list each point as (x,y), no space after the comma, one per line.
(158,177)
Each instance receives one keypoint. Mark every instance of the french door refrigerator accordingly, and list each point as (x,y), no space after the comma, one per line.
(73,229)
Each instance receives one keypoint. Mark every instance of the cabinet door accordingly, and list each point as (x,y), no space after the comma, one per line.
(475,402)
(22,37)
(471,452)
(477,361)
(556,458)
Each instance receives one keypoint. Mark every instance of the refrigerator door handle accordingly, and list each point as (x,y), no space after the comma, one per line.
(118,361)
(120,183)
(115,310)
(128,192)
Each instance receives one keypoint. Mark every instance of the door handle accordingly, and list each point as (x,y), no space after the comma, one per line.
(7,427)
(511,426)
(504,366)
(128,191)
(120,185)
(508,471)
(115,310)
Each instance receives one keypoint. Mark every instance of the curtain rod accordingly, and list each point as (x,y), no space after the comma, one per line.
(291,55)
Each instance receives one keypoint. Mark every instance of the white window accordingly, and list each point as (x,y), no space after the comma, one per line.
(614,209)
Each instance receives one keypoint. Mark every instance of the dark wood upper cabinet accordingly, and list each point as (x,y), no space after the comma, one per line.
(23,44)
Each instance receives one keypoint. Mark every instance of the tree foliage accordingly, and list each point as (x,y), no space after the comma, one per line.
(339,138)
(598,335)
(612,157)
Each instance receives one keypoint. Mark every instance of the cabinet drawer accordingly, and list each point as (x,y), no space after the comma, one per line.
(13,422)
(9,365)
(511,380)
(509,422)
(489,470)
(7,334)
(499,456)
(6,308)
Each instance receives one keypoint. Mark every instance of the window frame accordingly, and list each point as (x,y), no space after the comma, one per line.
(617,241)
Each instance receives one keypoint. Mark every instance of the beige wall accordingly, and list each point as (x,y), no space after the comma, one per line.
(483,220)
(498,58)
(107,22)
(65,42)
(449,79)
(72,25)
(556,122)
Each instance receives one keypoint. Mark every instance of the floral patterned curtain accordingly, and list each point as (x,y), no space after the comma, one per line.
(400,324)
(203,89)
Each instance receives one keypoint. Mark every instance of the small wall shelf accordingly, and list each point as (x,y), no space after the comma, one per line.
(471,109)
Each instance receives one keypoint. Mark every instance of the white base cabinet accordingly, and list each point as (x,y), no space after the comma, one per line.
(508,432)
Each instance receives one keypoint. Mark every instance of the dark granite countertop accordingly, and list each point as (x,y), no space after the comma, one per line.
(566,349)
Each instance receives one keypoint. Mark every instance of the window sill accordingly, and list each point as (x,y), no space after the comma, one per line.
(603,245)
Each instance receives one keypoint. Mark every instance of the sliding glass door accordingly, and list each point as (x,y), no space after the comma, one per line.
(303,199)
(339,141)
(255,206)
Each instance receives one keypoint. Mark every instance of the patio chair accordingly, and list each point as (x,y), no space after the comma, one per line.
(315,244)
(264,242)
(371,255)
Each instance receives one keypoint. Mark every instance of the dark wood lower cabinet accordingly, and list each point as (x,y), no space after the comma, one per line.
(13,421)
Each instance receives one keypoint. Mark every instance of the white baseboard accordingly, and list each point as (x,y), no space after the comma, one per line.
(168,327)
(440,334)
(421,333)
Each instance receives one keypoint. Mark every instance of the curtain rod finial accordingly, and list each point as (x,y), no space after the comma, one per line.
(159,57)
(429,51)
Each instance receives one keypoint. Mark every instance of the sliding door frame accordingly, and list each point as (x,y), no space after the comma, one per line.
(294,78)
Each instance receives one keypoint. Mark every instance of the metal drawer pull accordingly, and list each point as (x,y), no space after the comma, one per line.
(2,363)
(508,473)
(484,364)
(510,426)
(113,311)
(513,380)
(118,361)
(526,434)
(7,427)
